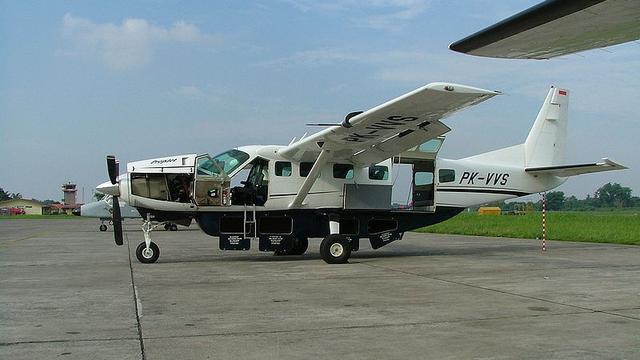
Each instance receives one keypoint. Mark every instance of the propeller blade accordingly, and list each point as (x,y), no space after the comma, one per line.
(117,221)
(113,169)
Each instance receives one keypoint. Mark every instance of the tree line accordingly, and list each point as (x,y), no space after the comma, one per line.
(4,195)
(608,196)
(8,196)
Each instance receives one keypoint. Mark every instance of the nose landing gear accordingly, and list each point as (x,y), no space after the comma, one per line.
(147,255)
(147,251)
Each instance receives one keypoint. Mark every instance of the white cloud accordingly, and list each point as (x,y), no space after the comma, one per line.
(130,44)
(378,14)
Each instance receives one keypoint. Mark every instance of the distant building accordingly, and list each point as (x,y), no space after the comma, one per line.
(30,207)
(69,190)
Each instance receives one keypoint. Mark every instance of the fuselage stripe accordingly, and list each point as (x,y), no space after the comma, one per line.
(484,191)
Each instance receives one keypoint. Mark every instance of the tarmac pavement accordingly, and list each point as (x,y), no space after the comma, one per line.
(67,291)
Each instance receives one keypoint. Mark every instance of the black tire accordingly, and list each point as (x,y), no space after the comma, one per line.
(103,227)
(335,249)
(147,258)
(173,227)
(167,227)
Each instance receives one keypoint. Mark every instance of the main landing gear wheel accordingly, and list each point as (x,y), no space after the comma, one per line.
(170,227)
(335,249)
(147,255)
(103,227)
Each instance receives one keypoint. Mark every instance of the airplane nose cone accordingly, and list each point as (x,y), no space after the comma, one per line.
(76,211)
(108,188)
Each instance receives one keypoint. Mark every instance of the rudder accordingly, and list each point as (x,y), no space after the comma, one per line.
(546,142)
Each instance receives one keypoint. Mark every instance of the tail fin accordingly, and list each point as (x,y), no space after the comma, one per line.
(545,144)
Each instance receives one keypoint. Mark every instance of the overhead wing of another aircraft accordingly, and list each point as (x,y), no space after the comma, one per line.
(388,129)
(556,27)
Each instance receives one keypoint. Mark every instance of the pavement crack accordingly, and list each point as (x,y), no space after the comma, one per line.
(63,341)
(135,301)
(13,241)
(355,327)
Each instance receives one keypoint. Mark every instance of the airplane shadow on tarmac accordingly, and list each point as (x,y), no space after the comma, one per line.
(365,254)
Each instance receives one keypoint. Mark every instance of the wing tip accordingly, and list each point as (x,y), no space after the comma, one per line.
(614,164)
(459,88)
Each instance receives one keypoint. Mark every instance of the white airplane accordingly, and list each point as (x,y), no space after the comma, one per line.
(337,184)
(103,210)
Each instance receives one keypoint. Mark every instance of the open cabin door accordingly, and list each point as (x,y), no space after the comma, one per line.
(422,159)
(211,184)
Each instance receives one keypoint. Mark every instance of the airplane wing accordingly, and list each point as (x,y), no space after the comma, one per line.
(388,129)
(556,27)
(578,169)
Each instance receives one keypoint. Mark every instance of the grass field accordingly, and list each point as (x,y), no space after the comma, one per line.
(606,227)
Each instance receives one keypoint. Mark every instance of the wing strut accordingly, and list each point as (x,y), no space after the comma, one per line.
(311,179)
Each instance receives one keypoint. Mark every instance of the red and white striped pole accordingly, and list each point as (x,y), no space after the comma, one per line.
(544,221)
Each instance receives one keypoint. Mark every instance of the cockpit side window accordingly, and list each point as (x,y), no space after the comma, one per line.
(230,160)
(259,173)
(206,166)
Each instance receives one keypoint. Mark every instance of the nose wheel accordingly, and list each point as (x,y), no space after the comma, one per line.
(147,254)
(147,251)
(335,249)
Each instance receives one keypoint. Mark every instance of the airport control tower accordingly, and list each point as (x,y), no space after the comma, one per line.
(69,191)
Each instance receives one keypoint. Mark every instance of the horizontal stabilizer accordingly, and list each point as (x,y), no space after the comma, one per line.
(577,169)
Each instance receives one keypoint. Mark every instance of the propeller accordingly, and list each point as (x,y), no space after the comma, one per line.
(113,169)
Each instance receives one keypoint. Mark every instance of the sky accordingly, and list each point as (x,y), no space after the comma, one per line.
(143,79)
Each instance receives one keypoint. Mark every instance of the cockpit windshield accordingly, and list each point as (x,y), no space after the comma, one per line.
(230,160)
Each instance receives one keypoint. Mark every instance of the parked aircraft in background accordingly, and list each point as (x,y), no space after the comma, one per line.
(103,210)
(337,184)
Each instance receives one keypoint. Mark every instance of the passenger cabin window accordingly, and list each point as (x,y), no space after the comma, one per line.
(423,178)
(305,168)
(283,168)
(378,172)
(446,175)
(343,171)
